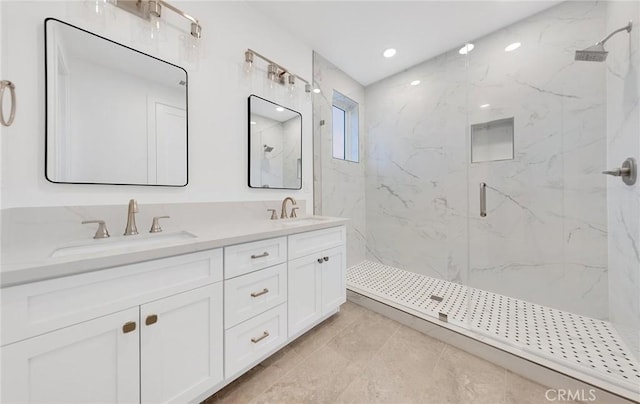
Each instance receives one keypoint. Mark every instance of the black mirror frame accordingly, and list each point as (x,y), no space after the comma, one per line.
(249,142)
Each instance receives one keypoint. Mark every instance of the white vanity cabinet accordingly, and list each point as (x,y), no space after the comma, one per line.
(255,302)
(96,361)
(164,344)
(170,330)
(181,346)
(317,277)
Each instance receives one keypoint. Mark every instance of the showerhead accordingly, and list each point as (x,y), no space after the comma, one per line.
(268,148)
(597,53)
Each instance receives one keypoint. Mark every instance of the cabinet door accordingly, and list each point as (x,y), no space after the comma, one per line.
(333,268)
(92,362)
(181,345)
(304,289)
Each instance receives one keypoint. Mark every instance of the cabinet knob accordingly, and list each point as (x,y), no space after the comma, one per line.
(319,260)
(151,319)
(129,327)
(326,259)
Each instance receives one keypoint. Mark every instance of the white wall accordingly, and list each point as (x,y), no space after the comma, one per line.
(623,140)
(218,92)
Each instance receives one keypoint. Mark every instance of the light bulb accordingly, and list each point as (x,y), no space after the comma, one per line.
(248,62)
(155,26)
(292,85)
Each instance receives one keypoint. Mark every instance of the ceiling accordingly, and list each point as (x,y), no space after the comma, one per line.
(353,34)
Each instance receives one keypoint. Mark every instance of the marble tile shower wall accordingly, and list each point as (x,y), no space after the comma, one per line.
(339,186)
(623,127)
(545,236)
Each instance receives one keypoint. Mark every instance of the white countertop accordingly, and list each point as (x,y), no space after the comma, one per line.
(40,265)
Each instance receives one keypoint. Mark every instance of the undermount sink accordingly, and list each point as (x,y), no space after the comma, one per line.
(303,220)
(121,243)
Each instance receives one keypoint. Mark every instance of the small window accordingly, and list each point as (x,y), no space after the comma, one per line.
(345,128)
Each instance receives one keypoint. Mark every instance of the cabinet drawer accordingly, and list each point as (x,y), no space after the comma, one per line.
(249,342)
(251,294)
(36,308)
(315,241)
(244,258)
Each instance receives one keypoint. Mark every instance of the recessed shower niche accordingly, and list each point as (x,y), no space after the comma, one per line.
(492,141)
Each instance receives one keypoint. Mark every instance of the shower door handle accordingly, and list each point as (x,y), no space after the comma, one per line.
(483,199)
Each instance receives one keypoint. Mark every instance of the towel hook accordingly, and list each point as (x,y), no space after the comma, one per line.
(12,89)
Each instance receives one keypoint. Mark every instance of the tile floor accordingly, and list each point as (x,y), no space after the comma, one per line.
(358,356)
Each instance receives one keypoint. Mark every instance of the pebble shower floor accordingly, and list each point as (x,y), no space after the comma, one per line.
(585,343)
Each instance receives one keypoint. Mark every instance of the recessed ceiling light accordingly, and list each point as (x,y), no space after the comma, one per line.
(316,90)
(389,53)
(415,82)
(512,47)
(279,109)
(254,123)
(466,49)
(485,105)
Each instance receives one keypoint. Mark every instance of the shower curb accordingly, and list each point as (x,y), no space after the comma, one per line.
(456,336)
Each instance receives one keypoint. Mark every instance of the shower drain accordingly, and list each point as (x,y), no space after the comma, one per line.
(567,338)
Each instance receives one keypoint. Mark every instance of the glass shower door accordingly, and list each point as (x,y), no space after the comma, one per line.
(550,237)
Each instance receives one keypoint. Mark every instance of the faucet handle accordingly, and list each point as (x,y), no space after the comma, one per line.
(155,225)
(293,212)
(102,231)
(274,216)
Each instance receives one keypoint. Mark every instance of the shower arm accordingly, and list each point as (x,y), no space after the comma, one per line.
(626,28)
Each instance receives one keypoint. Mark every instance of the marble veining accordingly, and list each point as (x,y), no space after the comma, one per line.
(545,235)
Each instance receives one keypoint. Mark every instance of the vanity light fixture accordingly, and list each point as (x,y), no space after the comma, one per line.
(148,9)
(248,61)
(275,73)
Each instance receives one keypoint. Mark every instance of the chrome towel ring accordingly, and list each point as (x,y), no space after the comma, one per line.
(12,89)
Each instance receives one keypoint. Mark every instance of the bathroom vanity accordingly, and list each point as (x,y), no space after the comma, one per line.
(170,324)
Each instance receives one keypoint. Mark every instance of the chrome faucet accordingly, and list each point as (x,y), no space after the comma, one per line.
(131,219)
(283,212)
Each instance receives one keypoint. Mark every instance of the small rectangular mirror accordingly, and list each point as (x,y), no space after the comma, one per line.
(275,145)
(114,115)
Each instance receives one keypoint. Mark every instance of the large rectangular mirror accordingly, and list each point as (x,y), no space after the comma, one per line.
(275,145)
(114,115)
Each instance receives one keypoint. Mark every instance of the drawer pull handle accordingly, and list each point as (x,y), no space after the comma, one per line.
(264,335)
(319,260)
(264,254)
(129,327)
(326,259)
(256,294)
(151,319)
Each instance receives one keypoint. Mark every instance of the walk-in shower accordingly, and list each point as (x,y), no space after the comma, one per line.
(480,201)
